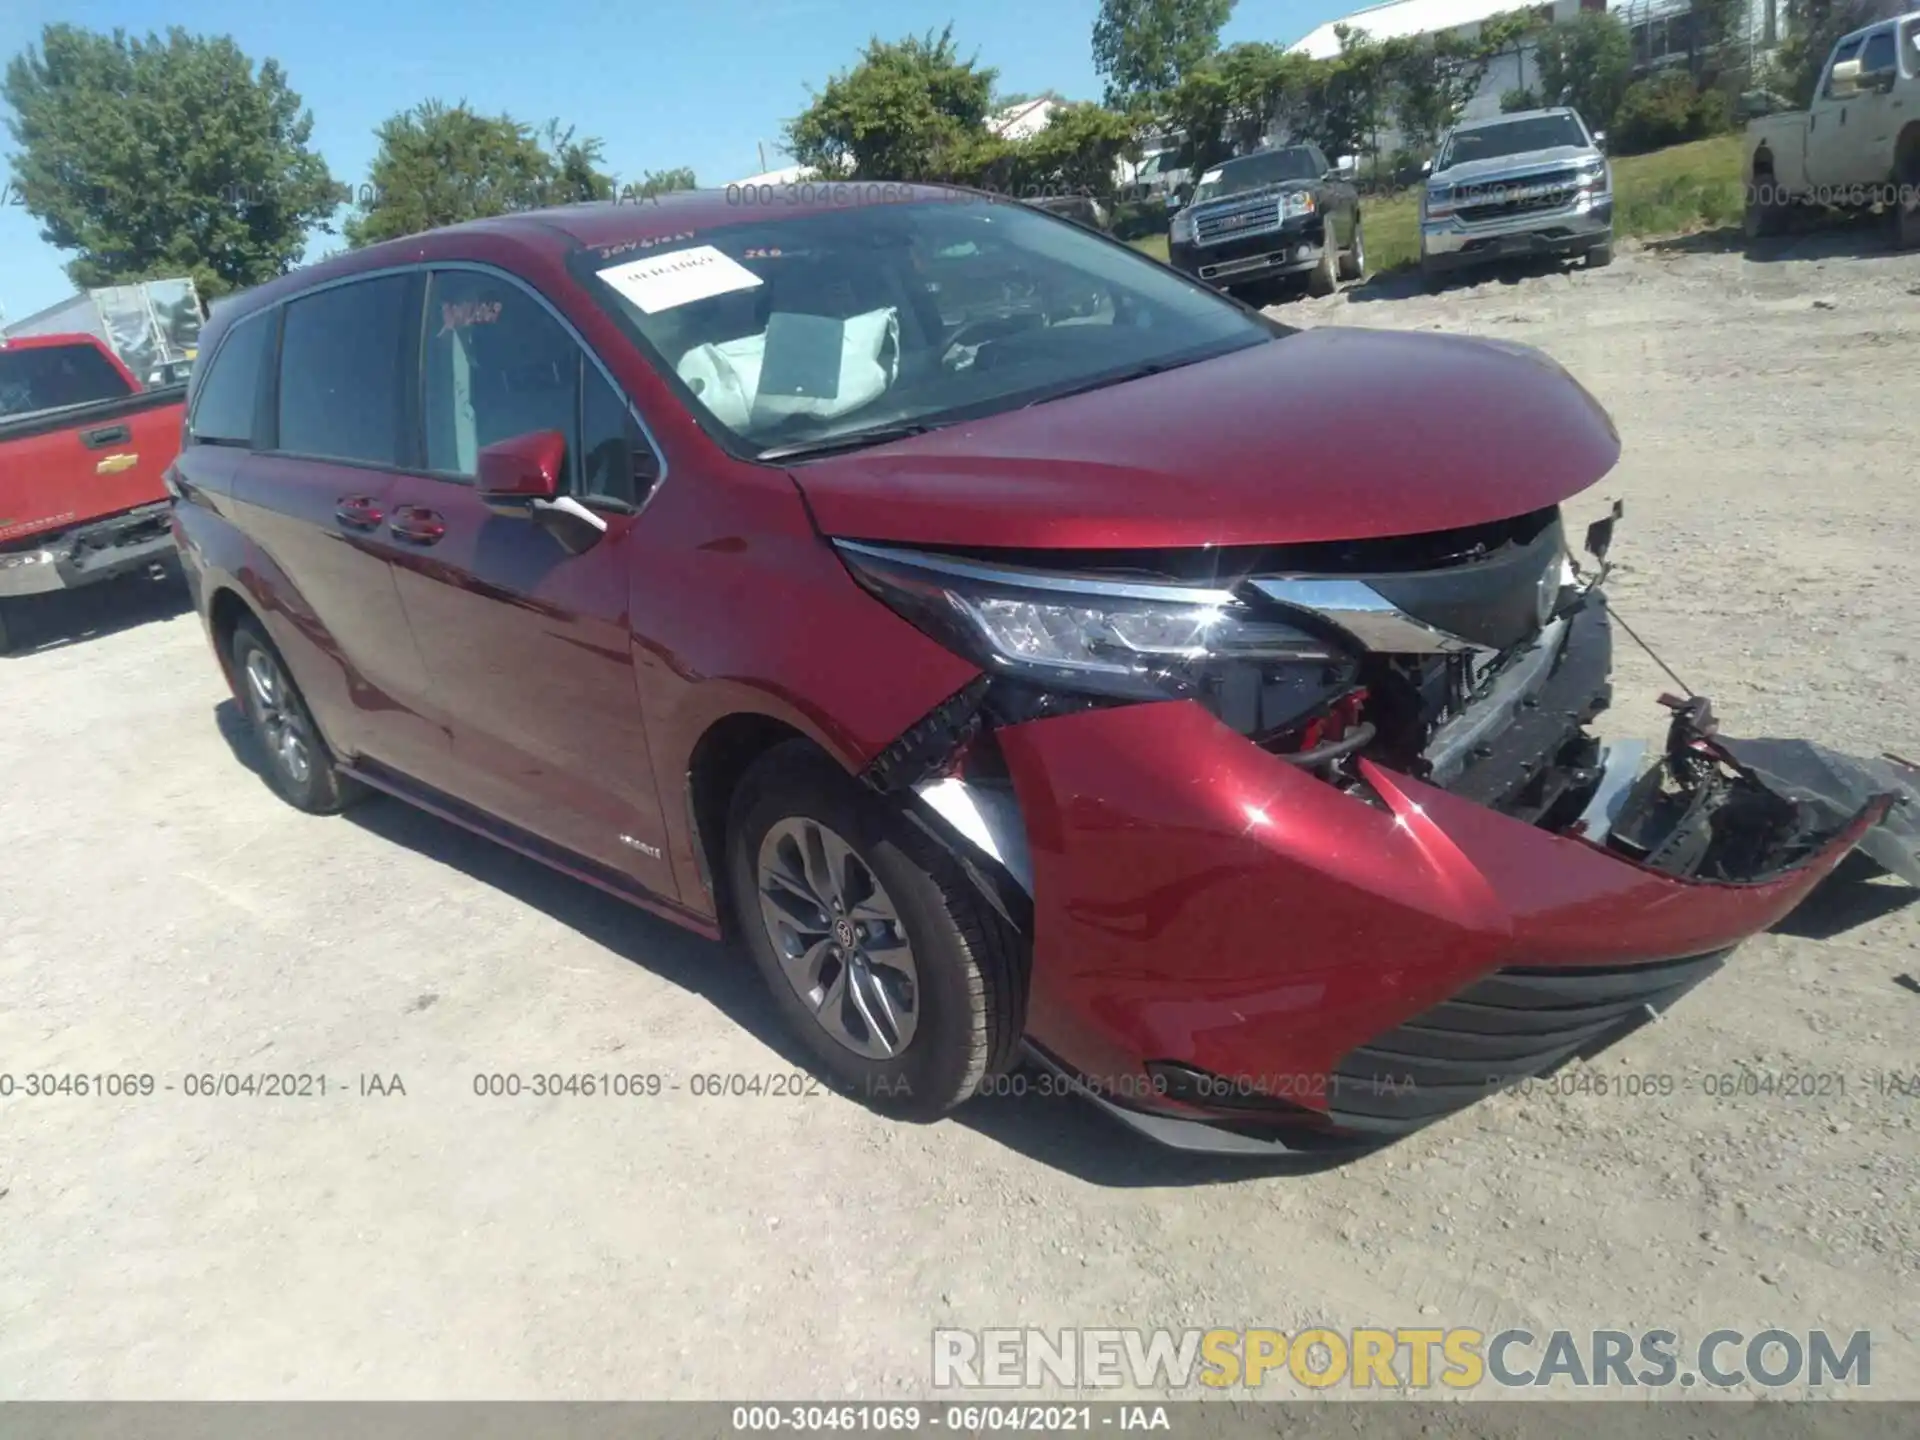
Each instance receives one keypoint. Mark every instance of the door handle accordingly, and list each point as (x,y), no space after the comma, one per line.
(106,435)
(359,512)
(418,525)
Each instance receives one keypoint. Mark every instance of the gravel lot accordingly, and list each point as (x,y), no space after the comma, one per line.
(165,914)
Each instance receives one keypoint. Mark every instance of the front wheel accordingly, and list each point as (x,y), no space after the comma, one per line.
(906,987)
(1353,261)
(6,636)
(1321,280)
(298,764)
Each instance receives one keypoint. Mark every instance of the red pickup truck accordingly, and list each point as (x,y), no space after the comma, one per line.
(82,451)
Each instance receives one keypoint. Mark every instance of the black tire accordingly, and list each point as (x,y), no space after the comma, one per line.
(1321,280)
(1431,275)
(318,787)
(1600,256)
(6,635)
(1353,260)
(1904,198)
(969,985)
(1766,213)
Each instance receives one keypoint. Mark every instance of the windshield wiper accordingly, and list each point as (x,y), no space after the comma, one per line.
(849,440)
(1138,372)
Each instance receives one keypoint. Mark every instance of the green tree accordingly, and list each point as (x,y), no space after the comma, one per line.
(1586,63)
(164,156)
(1429,80)
(1143,47)
(1078,152)
(659,182)
(443,164)
(1813,27)
(909,110)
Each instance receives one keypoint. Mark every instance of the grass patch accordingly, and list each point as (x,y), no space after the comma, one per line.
(1696,186)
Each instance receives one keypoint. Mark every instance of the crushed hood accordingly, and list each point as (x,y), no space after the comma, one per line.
(1334,433)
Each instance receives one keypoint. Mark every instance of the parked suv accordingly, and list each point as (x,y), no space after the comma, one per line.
(853,581)
(1534,182)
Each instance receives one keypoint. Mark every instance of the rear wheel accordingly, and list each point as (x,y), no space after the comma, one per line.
(1906,200)
(903,984)
(1353,261)
(297,761)
(6,636)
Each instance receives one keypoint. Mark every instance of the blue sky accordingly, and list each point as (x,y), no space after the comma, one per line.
(701,83)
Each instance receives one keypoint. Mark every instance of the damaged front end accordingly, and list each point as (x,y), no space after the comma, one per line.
(1318,841)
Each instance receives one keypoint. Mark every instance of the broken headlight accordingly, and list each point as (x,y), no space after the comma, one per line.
(1123,639)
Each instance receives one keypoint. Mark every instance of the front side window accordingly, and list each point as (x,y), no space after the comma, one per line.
(791,330)
(224,406)
(498,366)
(341,372)
(1847,50)
(1515,137)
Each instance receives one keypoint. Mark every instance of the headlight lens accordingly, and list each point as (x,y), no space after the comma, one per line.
(1298,203)
(1181,231)
(1439,200)
(1123,640)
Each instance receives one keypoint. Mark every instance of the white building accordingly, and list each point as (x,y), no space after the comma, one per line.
(1659,29)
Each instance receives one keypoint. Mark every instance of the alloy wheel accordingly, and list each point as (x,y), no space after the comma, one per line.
(839,938)
(282,729)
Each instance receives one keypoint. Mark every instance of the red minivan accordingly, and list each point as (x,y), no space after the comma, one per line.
(1028,654)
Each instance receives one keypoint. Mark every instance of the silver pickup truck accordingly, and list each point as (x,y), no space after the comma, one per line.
(1534,182)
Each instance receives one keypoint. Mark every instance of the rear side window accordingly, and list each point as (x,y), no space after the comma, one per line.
(52,377)
(228,398)
(342,372)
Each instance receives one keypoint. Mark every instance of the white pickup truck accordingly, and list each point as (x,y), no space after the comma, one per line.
(1857,145)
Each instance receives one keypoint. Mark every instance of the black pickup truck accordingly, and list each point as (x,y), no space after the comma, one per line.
(1275,213)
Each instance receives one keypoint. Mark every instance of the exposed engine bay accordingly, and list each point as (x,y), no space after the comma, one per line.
(1474,660)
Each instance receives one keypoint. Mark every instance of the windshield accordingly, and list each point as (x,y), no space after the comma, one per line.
(1250,172)
(790,330)
(54,377)
(1516,137)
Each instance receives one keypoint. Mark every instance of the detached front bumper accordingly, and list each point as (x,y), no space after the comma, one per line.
(86,554)
(1569,230)
(1235,955)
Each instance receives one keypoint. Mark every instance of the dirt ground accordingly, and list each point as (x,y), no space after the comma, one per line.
(164,914)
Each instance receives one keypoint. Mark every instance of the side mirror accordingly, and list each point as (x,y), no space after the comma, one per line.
(1600,141)
(525,467)
(1844,82)
(1426,167)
